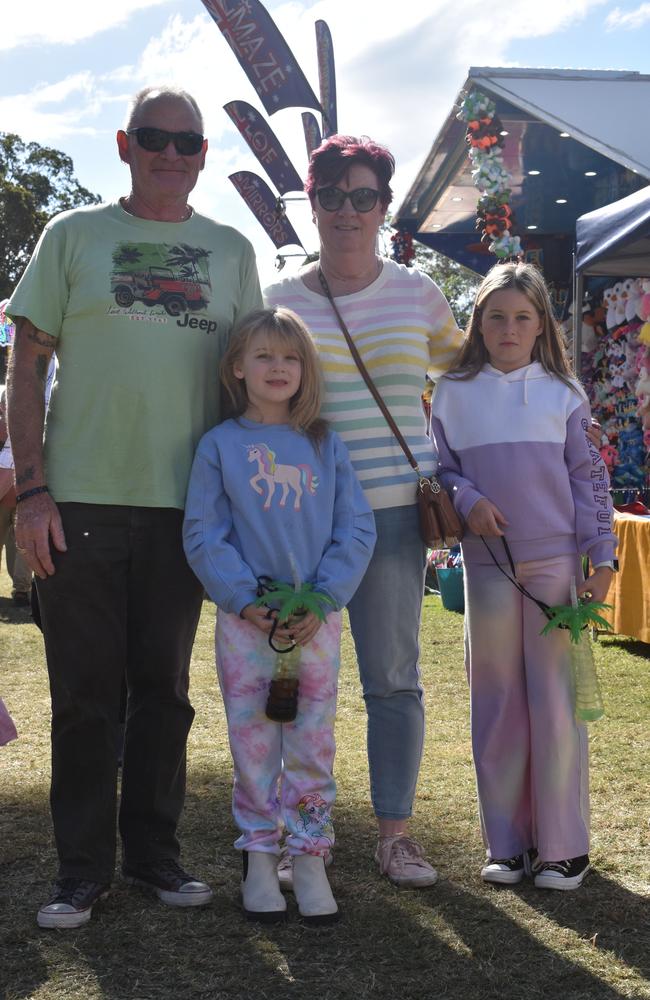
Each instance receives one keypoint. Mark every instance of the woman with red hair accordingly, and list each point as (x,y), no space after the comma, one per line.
(403,328)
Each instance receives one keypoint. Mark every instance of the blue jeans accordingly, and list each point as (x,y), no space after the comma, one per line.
(385,621)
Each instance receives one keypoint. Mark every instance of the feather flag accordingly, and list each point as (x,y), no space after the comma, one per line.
(326,78)
(312,132)
(267,209)
(265,145)
(263,54)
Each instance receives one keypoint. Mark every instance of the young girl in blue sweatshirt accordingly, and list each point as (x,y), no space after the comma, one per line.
(510,424)
(272,494)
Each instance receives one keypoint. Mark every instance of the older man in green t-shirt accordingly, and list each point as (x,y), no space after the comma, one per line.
(138,299)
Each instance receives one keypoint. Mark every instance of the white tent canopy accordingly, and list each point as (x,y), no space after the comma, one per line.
(588,104)
(573,141)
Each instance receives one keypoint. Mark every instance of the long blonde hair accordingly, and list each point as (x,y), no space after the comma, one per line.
(287,328)
(549,347)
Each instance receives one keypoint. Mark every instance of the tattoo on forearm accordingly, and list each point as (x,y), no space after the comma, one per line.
(41,365)
(43,339)
(29,331)
(27,476)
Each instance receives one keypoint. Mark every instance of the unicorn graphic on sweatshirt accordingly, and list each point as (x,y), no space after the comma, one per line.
(295,477)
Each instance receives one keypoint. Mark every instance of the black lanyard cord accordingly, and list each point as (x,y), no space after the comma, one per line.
(544,608)
(264,588)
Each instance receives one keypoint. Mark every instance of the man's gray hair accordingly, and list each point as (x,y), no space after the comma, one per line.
(151,93)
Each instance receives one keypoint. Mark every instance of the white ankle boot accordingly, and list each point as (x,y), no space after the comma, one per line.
(260,889)
(316,904)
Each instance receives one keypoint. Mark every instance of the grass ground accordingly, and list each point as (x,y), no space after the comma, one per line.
(461,939)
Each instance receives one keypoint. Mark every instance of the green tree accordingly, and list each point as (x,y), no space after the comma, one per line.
(36,182)
(457,283)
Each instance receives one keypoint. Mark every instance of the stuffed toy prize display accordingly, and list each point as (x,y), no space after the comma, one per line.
(616,374)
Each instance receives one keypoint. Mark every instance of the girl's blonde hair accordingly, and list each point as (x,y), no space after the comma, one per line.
(287,328)
(549,347)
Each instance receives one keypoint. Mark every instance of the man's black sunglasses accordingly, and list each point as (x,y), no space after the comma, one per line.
(154,140)
(362,199)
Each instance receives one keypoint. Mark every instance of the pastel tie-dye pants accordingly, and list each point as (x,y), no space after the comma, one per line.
(283,779)
(530,755)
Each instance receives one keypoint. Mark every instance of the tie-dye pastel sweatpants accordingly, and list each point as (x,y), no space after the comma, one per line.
(530,755)
(283,779)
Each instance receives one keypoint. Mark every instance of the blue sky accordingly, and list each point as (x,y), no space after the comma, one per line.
(68,69)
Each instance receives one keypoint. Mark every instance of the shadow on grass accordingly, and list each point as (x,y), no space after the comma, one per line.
(460,939)
(12,615)
(613,917)
(633,646)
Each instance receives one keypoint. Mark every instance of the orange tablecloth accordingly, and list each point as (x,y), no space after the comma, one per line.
(629,592)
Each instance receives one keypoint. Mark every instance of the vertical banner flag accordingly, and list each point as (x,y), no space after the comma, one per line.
(326,78)
(264,206)
(263,54)
(264,143)
(312,132)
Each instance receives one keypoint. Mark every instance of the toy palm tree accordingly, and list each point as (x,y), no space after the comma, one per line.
(295,601)
(576,617)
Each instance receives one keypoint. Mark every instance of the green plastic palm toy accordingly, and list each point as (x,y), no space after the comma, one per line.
(576,617)
(295,601)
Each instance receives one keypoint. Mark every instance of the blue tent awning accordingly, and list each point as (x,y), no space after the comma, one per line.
(615,240)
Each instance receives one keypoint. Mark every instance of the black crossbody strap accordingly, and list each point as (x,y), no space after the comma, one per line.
(366,377)
(513,579)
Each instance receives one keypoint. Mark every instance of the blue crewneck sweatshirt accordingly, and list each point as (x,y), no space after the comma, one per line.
(262,495)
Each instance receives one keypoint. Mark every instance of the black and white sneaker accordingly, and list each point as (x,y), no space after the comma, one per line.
(503,871)
(563,875)
(71,903)
(170,883)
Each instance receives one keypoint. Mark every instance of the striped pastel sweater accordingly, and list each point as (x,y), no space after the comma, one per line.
(403,328)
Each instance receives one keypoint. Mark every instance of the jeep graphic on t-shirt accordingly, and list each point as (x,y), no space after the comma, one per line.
(172,276)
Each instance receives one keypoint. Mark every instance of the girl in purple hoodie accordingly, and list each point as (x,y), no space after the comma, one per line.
(510,424)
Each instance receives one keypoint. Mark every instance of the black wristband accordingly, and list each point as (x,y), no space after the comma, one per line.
(31,493)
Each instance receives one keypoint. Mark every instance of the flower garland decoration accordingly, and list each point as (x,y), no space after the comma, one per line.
(402,249)
(495,217)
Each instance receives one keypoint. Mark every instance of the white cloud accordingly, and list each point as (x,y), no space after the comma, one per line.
(51,112)
(632,19)
(66,21)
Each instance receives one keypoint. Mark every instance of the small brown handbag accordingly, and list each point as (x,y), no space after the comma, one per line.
(440,525)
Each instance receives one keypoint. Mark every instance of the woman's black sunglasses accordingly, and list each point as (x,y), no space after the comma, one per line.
(154,140)
(361,199)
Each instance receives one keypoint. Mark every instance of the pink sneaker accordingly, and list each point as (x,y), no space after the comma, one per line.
(402,860)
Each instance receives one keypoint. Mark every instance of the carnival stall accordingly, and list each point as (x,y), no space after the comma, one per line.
(612,331)
(612,340)
(522,154)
